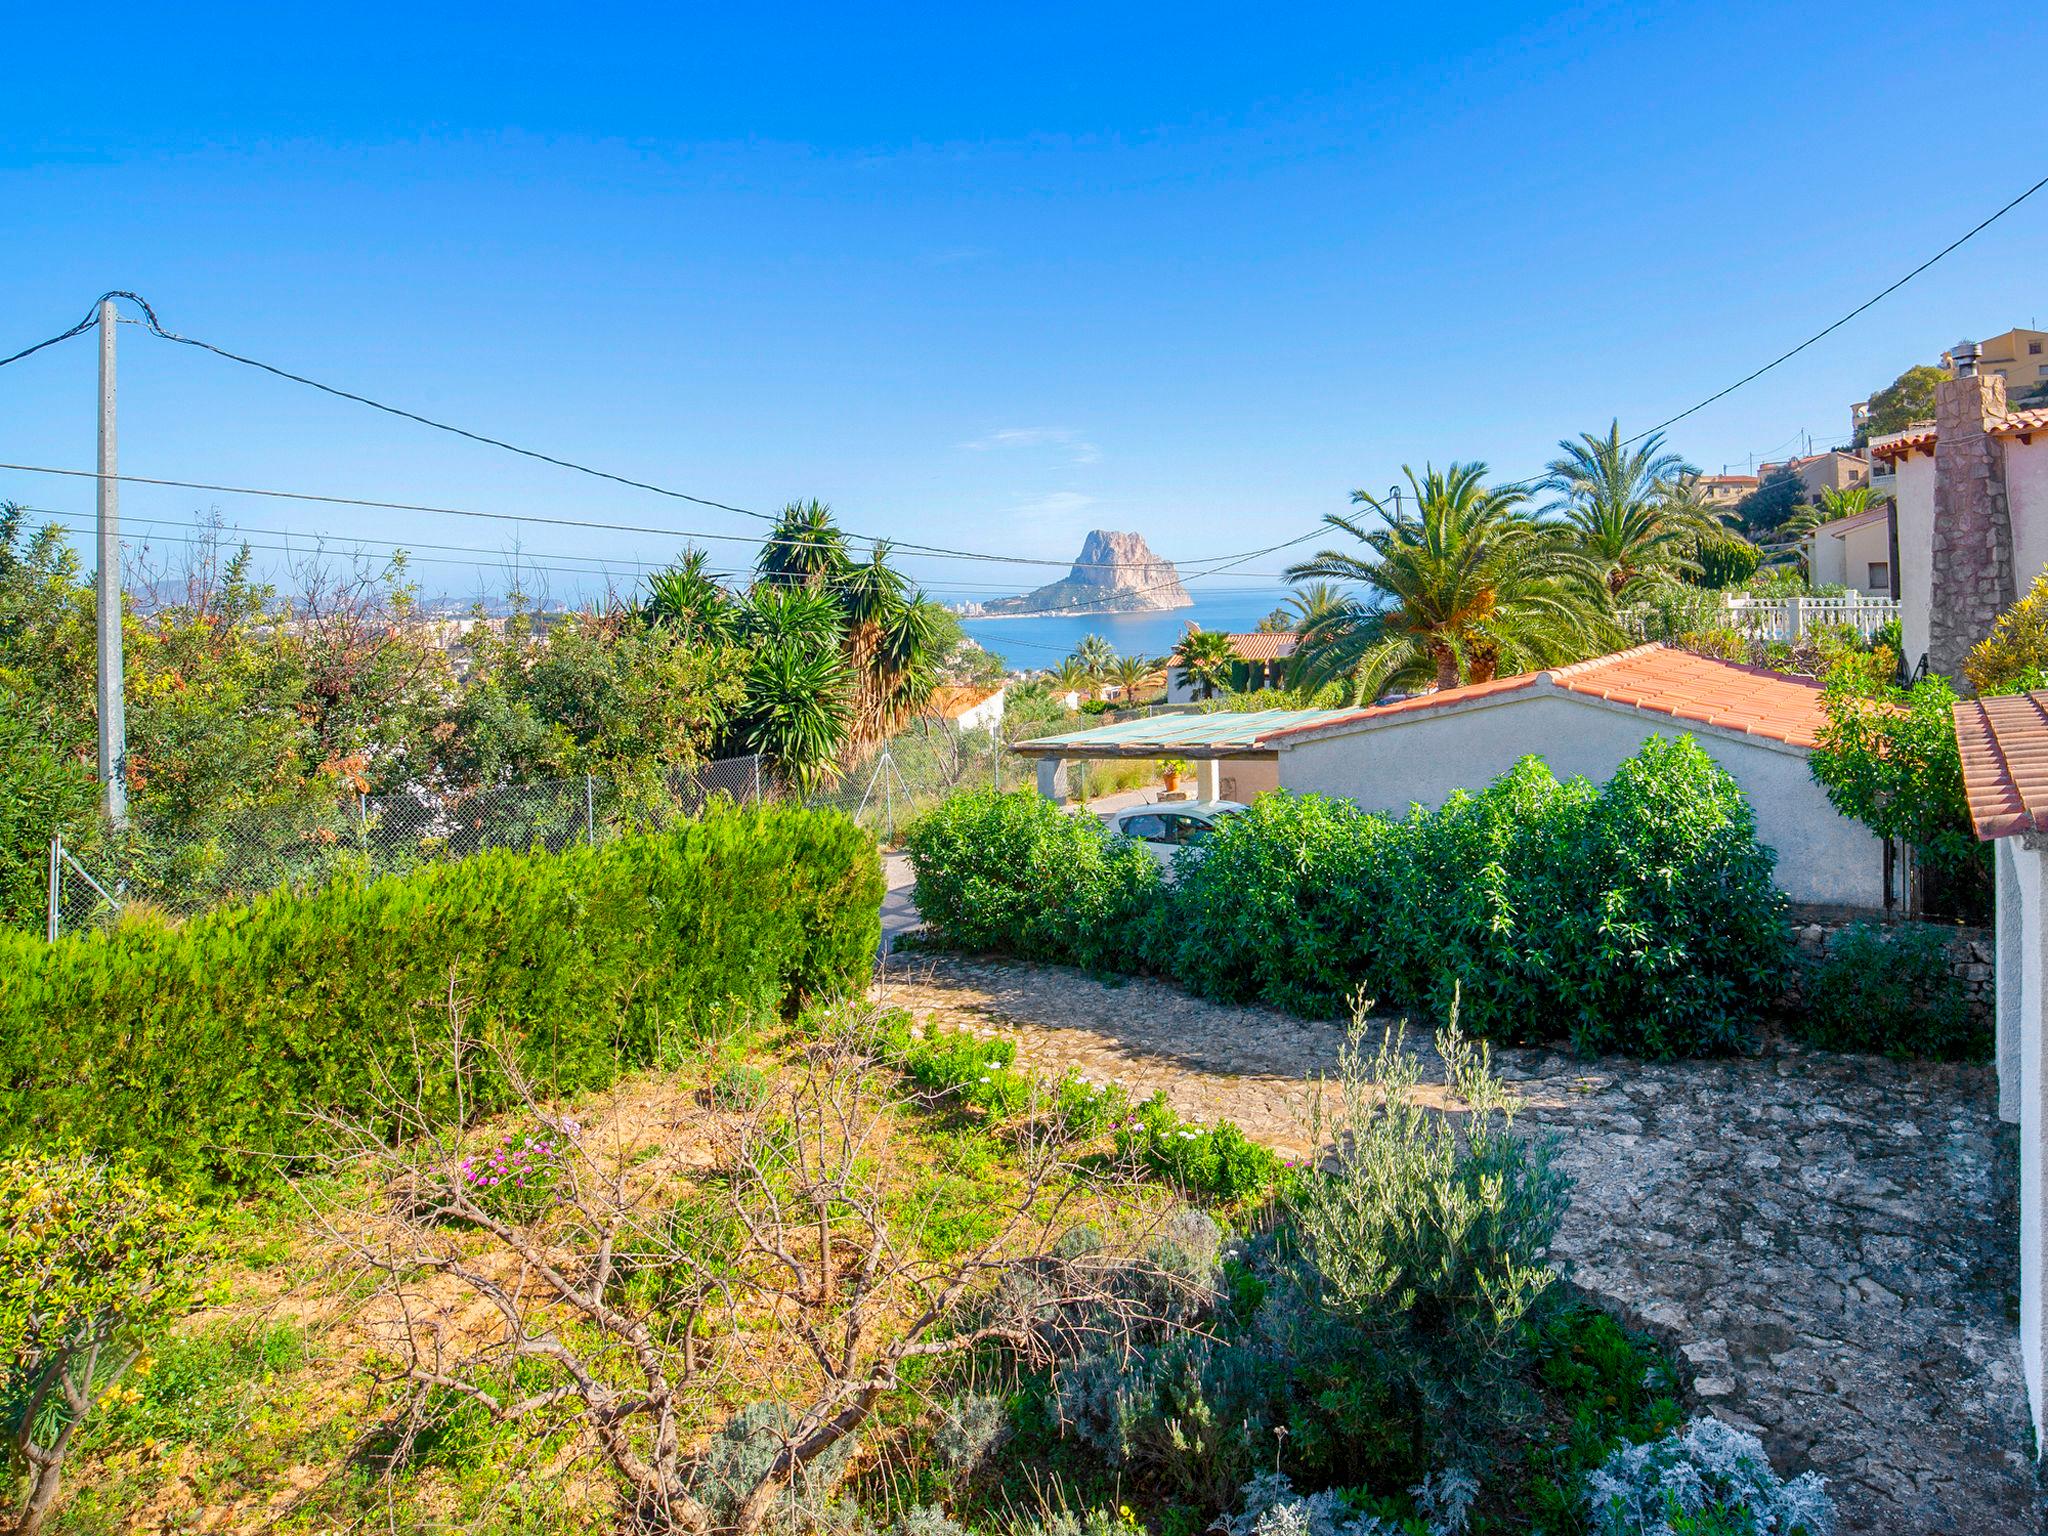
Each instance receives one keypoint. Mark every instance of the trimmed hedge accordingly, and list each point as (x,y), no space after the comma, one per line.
(1013,873)
(1639,916)
(202,1048)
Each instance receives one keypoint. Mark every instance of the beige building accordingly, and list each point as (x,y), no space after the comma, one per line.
(1853,552)
(1830,471)
(2020,357)
(1724,490)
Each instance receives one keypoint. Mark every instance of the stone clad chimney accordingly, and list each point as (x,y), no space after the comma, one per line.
(1971,561)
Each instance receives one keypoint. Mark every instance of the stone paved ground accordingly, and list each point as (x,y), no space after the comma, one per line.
(1830,1241)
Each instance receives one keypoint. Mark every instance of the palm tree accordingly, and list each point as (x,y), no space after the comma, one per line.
(1096,656)
(1626,509)
(1072,677)
(1787,543)
(797,684)
(1130,673)
(1464,588)
(1207,657)
(1317,600)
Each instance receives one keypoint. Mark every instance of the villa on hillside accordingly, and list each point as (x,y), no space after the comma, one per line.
(967,709)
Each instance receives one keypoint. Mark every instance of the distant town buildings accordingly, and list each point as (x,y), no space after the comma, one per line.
(2020,357)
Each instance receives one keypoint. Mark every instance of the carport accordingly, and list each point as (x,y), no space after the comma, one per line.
(1227,749)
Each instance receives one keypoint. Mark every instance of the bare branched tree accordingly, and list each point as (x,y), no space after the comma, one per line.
(637,1283)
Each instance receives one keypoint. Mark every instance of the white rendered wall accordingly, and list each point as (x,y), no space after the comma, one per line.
(2033,1127)
(1822,855)
(2010,972)
(1916,544)
(2026,496)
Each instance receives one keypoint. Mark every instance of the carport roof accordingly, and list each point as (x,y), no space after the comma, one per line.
(1223,734)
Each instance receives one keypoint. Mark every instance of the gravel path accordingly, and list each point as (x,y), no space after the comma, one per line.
(1830,1241)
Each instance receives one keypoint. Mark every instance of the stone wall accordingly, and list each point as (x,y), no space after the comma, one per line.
(1970,952)
(1972,558)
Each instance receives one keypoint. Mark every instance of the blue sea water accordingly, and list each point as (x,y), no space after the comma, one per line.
(1040,642)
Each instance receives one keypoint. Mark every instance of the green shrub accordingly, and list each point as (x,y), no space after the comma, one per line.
(1014,873)
(1639,917)
(1891,990)
(1220,1160)
(206,1047)
(952,1061)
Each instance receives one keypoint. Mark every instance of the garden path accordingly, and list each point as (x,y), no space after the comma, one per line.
(1830,1241)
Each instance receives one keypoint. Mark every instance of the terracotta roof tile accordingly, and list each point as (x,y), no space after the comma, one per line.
(1899,445)
(2004,744)
(1264,646)
(1655,678)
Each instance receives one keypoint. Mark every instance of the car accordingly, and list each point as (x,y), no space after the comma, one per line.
(1167,827)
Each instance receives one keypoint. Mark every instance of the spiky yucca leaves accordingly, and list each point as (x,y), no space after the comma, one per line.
(688,597)
(804,548)
(1627,510)
(1466,588)
(798,682)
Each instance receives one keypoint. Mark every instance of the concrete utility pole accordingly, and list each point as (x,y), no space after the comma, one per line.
(113,722)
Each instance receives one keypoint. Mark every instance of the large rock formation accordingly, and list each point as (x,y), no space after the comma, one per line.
(1114,573)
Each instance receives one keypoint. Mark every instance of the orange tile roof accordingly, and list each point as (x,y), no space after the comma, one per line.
(1265,645)
(2021,424)
(1656,679)
(2004,744)
(952,701)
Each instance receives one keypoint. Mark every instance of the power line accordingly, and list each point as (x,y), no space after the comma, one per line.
(156,328)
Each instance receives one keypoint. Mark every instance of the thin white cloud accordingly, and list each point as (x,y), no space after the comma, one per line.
(1054,504)
(1078,449)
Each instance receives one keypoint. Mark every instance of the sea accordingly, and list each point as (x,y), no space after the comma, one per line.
(1040,641)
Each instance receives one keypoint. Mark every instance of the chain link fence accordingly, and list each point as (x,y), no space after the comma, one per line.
(369,835)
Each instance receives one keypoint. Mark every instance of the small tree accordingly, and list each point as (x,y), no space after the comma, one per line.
(1907,399)
(1777,497)
(95,1259)
(1888,757)
(566,1270)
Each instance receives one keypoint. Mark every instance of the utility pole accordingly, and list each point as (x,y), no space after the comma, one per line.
(113,723)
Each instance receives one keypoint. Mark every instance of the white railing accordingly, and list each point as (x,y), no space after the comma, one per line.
(1791,618)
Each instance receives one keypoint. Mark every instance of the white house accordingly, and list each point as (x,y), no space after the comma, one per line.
(1584,719)
(1853,552)
(2004,744)
(1980,472)
(967,709)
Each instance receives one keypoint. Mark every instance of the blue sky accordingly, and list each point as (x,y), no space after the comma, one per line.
(983,281)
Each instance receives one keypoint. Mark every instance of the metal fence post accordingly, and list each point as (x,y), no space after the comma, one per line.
(757,778)
(56,883)
(590,810)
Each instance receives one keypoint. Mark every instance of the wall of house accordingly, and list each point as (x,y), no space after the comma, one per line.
(2031,891)
(1241,778)
(1916,540)
(2026,496)
(1823,857)
(1861,548)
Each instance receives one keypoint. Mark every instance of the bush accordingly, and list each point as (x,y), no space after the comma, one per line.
(1891,990)
(1014,873)
(1710,1479)
(1220,1161)
(205,1047)
(2014,656)
(95,1260)
(1640,917)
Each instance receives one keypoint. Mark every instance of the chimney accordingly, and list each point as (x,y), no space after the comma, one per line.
(1971,562)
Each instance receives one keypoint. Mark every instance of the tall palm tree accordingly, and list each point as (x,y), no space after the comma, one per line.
(1096,656)
(1464,588)
(1309,603)
(1626,509)
(1208,657)
(1072,677)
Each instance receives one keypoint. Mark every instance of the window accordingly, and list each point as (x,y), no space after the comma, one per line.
(1151,828)
(2033,349)
(1880,577)
(1186,829)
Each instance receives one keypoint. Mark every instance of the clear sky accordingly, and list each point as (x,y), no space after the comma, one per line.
(983,278)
